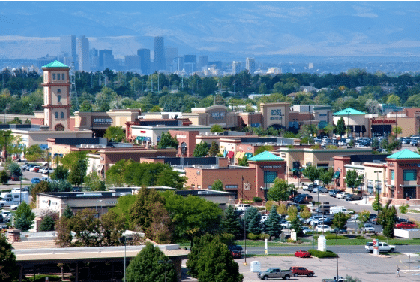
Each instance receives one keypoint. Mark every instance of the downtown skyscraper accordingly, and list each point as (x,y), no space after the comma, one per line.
(159,54)
(84,63)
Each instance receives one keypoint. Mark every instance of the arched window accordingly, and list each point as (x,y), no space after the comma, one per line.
(62,114)
(59,90)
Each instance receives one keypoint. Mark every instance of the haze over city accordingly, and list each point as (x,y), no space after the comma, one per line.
(224,31)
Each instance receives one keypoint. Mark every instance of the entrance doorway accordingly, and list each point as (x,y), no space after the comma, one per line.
(409,192)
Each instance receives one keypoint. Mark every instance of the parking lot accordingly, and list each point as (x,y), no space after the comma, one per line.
(366,267)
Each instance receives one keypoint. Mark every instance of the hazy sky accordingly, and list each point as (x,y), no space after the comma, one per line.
(240,29)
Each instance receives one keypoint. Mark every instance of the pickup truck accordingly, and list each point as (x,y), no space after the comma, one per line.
(383,247)
(275,273)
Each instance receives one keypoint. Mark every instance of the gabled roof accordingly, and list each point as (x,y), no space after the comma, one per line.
(348,111)
(265,156)
(404,155)
(55,64)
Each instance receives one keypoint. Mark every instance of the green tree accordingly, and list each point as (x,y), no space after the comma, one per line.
(340,128)
(305,213)
(47,224)
(403,208)
(326,176)
(166,140)
(68,213)
(151,265)
(4,177)
(375,143)
(115,133)
(210,260)
(263,148)
(353,180)
(231,223)
(71,159)
(8,269)
(60,173)
(363,217)
(23,217)
(253,221)
(14,169)
(311,172)
(217,185)
(112,226)
(85,106)
(340,220)
(86,225)
(272,223)
(155,109)
(93,182)
(192,216)
(280,191)
(201,150)
(214,149)
(217,128)
(387,219)
(376,205)
(78,172)
(243,161)
(34,153)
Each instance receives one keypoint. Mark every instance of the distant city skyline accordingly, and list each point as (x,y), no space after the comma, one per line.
(222,31)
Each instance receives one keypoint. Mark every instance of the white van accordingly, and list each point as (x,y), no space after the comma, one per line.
(242,207)
(334,210)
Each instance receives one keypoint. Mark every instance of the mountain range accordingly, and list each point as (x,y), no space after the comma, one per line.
(222,30)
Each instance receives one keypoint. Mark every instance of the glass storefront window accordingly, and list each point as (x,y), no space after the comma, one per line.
(410,175)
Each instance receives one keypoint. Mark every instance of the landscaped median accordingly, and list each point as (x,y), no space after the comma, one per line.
(321,254)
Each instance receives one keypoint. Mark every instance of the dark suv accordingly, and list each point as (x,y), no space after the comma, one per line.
(236,251)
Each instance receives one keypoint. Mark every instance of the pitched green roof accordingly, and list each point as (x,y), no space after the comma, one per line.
(348,111)
(55,64)
(404,155)
(265,156)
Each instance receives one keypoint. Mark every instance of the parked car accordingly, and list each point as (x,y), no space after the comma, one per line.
(323,228)
(302,254)
(340,195)
(35,168)
(242,207)
(35,180)
(298,270)
(236,251)
(353,197)
(368,227)
(275,273)
(333,192)
(308,187)
(306,229)
(286,224)
(405,225)
(303,199)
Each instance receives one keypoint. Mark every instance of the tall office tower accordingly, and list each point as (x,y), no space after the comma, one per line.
(203,61)
(159,55)
(236,67)
(190,63)
(84,54)
(250,65)
(94,59)
(56,86)
(170,54)
(144,55)
(106,60)
(68,48)
(178,64)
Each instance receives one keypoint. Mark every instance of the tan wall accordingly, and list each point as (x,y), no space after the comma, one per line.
(40,137)
(271,114)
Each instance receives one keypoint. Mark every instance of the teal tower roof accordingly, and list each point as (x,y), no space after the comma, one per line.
(265,156)
(55,64)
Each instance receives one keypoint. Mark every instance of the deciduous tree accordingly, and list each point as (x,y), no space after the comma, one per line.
(23,217)
(166,140)
(115,133)
(217,185)
(214,149)
(280,191)
(8,269)
(201,150)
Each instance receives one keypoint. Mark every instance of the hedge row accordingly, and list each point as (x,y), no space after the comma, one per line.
(321,254)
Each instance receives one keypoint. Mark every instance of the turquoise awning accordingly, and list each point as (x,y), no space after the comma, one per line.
(337,174)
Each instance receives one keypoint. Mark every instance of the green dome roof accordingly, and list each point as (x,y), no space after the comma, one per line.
(404,155)
(55,64)
(348,111)
(265,156)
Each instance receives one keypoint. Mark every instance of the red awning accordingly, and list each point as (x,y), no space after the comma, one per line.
(230,154)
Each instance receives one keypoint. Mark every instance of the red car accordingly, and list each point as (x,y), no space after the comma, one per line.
(405,225)
(302,254)
(297,270)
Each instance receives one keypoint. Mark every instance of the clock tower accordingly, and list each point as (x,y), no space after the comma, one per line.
(56,84)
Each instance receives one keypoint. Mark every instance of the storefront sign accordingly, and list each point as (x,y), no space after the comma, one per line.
(181,136)
(271,166)
(102,120)
(409,165)
(383,121)
(276,115)
(218,115)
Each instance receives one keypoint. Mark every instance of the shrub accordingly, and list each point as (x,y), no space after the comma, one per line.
(360,237)
(321,254)
(403,208)
(257,199)
(252,236)
(332,236)
(380,237)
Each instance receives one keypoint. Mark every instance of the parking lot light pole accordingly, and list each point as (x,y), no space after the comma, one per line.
(245,235)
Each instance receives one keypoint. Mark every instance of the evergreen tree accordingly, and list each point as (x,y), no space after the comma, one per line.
(47,224)
(243,161)
(60,173)
(214,149)
(201,150)
(231,222)
(387,219)
(272,224)
(23,217)
(78,172)
(151,265)
(341,128)
(253,221)
(8,269)
(210,260)
(68,213)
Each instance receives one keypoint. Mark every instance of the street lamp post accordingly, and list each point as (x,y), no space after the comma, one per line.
(245,235)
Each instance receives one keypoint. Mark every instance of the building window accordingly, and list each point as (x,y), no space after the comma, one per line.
(410,175)
(62,76)
(56,114)
(392,175)
(62,114)
(53,76)
(209,187)
(59,98)
(231,186)
(58,90)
